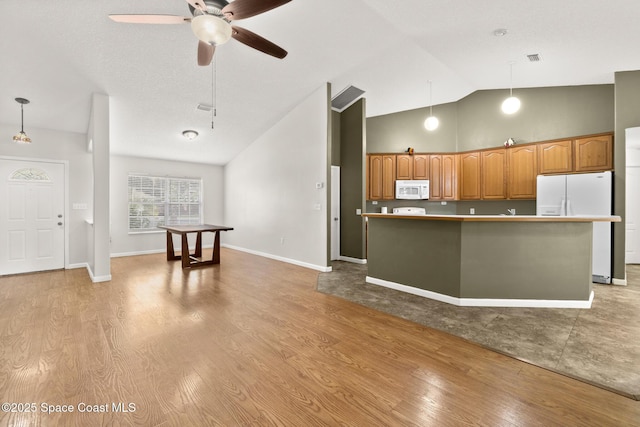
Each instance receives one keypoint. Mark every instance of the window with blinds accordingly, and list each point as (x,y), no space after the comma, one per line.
(159,200)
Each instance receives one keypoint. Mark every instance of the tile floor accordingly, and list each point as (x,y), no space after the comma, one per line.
(600,345)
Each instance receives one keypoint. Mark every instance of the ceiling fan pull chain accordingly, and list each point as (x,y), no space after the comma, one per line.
(213,91)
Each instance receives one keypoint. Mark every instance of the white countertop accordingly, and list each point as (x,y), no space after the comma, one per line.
(498,218)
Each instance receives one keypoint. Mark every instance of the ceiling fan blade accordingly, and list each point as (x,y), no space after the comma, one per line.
(150,19)
(241,9)
(257,42)
(205,53)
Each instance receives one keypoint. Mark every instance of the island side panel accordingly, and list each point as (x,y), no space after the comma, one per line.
(519,260)
(422,254)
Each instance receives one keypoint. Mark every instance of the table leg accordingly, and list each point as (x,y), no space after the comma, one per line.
(186,261)
(198,253)
(171,253)
(216,248)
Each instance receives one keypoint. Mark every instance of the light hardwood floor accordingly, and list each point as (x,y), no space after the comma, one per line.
(250,342)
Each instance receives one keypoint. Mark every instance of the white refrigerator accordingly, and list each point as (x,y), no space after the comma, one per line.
(587,194)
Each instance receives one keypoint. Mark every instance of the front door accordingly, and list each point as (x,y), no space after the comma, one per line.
(31,216)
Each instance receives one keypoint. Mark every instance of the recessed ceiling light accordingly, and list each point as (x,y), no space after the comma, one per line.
(190,134)
(500,32)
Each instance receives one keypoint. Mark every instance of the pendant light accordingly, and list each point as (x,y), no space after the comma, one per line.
(21,137)
(431,123)
(512,104)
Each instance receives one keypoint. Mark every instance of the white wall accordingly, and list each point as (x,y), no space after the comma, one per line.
(55,145)
(123,243)
(271,198)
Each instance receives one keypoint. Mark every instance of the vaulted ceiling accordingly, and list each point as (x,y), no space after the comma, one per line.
(57,53)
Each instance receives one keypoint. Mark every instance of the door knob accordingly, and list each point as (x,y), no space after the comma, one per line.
(59,215)
(59,223)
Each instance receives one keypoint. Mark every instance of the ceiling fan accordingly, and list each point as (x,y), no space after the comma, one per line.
(211,23)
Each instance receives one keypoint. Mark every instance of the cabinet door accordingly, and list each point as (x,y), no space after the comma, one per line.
(450,176)
(435,176)
(375,177)
(522,167)
(388,176)
(494,170)
(470,176)
(555,157)
(594,154)
(404,166)
(420,166)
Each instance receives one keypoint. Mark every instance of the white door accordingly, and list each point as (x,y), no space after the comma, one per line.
(632,217)
(335,213)
(31,216)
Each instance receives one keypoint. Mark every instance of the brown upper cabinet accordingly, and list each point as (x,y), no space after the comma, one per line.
(587,154)
(493,174)
(470,176)
(381,176)
(443,176)
(555,157)
(594,153)
(404,166)
(496,173)
(522,167)
(420,166)
(412,166)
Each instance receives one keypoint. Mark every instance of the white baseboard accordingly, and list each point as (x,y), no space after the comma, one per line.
(154,251)
(96,279)
(78,265)
(352,260)
(619,282)
(321,268)
(482,302)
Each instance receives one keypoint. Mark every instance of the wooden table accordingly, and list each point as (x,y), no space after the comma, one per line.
(195,260)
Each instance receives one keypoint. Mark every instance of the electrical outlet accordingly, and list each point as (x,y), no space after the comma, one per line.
(472,211)
(282,240)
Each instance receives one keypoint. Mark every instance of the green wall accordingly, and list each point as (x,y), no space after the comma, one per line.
(627,115)
(352,176)
(476,121)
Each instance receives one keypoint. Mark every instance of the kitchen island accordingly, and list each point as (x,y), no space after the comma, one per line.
(485,260)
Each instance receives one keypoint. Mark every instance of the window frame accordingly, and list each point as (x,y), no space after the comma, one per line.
(156,195)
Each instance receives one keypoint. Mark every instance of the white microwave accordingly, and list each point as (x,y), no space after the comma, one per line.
(412,189)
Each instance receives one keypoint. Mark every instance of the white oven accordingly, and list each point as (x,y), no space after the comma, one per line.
(412,189)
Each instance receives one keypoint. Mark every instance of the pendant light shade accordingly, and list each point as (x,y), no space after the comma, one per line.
(512,104)
(21,137)
(211,29)
(431,123)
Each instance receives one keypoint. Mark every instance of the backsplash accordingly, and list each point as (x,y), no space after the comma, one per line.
(481,207)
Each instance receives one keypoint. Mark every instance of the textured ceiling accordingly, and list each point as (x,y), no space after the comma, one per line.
(56,53)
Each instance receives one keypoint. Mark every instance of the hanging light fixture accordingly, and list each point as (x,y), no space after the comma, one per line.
(21,137)
(511,104)
(431,122)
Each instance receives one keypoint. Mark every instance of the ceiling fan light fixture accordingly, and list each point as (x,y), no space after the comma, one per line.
(190,134)
(211,29)
(21,137)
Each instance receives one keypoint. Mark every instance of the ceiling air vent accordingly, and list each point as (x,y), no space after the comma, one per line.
(534,58)
(345,98)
